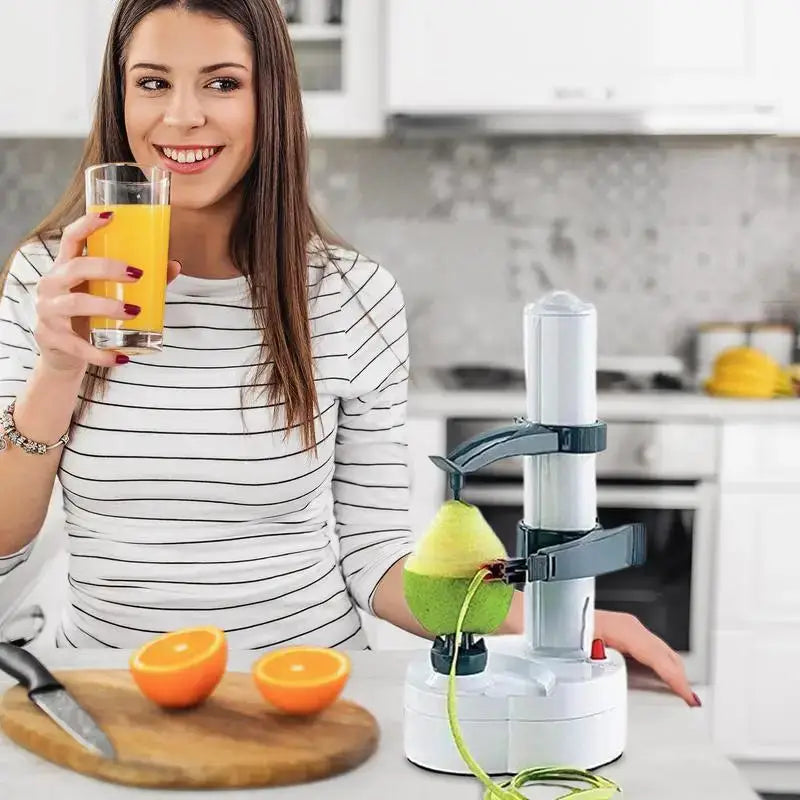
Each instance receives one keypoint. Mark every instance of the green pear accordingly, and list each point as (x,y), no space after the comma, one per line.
(444,562)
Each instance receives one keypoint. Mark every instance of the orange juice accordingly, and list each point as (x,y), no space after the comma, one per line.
(137,235)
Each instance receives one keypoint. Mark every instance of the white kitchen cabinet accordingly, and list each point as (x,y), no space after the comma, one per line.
(658,65)
(756,698)
(98,16)
(341,69)
(45,86)
(779,55)
(51,54)
(756,625)
(758,563)
(761,453)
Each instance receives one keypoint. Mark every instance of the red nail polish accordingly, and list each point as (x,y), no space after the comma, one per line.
(131,309)
(106,214)
(122,359)
(134,272)
(696,699)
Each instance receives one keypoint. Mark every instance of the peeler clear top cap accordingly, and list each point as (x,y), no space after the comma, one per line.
(559,303)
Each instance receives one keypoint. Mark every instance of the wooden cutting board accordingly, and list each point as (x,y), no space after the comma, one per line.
(234,739)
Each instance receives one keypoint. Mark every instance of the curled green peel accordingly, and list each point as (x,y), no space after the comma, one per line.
(597,787)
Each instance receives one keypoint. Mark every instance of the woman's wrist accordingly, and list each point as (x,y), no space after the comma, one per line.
(43,410)
(58,377)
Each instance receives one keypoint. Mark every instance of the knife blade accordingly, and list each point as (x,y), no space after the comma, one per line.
(52,697)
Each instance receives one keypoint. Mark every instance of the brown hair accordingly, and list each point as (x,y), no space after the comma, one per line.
(270,240)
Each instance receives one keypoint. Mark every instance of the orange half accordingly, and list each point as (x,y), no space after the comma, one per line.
(181,668)
(302,680)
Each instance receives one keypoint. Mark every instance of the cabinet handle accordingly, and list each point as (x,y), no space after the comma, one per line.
(579,93)
(648,453)
(570,93)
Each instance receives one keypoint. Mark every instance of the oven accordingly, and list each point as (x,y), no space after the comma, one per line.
(662,474)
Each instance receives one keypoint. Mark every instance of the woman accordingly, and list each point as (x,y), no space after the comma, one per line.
(200,484)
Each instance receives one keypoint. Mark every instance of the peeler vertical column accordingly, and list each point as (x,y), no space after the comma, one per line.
(560,492)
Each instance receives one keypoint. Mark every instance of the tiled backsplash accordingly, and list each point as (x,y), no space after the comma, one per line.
(660,234)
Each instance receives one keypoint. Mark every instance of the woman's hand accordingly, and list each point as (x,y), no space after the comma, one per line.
(64,305)
(625,633)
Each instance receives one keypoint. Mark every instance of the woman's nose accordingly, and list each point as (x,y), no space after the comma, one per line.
(184,110)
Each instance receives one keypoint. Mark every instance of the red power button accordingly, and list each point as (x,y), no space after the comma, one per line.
(598,650)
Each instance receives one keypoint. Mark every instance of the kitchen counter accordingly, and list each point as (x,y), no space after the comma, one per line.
(669,753)
(426,399)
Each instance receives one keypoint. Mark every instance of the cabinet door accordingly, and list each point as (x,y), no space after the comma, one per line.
(779,57)
(758,558)
(764,453)
(44,90)
(756,698)
(506,56)
(98,23)
(693,54)
(341,72)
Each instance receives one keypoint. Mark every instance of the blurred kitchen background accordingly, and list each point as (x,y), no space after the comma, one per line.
(643,154)
(662,234)
(654,171)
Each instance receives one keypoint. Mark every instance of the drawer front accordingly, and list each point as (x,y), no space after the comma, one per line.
(660,450)
(758,550)
(757,694)
(761,453)
(668,450)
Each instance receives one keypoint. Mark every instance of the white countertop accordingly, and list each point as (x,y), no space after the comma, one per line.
(669,753)
(426,399)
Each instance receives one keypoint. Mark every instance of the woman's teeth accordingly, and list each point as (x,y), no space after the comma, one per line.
(189,156)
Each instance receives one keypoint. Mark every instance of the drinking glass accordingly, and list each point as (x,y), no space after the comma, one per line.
(137,235)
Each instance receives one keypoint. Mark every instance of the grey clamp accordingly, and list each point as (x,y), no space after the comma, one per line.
(525,438)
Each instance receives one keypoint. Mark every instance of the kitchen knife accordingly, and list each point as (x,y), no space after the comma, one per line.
(54,699)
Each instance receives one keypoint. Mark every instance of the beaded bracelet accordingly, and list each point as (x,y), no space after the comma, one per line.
(10,432)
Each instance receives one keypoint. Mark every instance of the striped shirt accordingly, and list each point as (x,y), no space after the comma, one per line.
(188,503)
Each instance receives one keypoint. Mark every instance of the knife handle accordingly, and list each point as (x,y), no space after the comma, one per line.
(25,668)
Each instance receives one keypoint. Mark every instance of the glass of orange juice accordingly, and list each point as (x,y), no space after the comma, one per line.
(137,235)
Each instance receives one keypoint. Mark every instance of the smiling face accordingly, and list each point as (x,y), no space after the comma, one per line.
(190,103)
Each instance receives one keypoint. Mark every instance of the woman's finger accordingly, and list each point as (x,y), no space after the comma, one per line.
(627,634)
(66,342)
(653,652)
(71,273)
(674,676)
(73,238)
(78,304)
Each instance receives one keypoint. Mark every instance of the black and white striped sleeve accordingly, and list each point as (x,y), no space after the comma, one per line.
(18,349)
(371,475)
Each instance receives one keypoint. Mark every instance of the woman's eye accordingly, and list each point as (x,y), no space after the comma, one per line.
(152,84)
(224,84)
